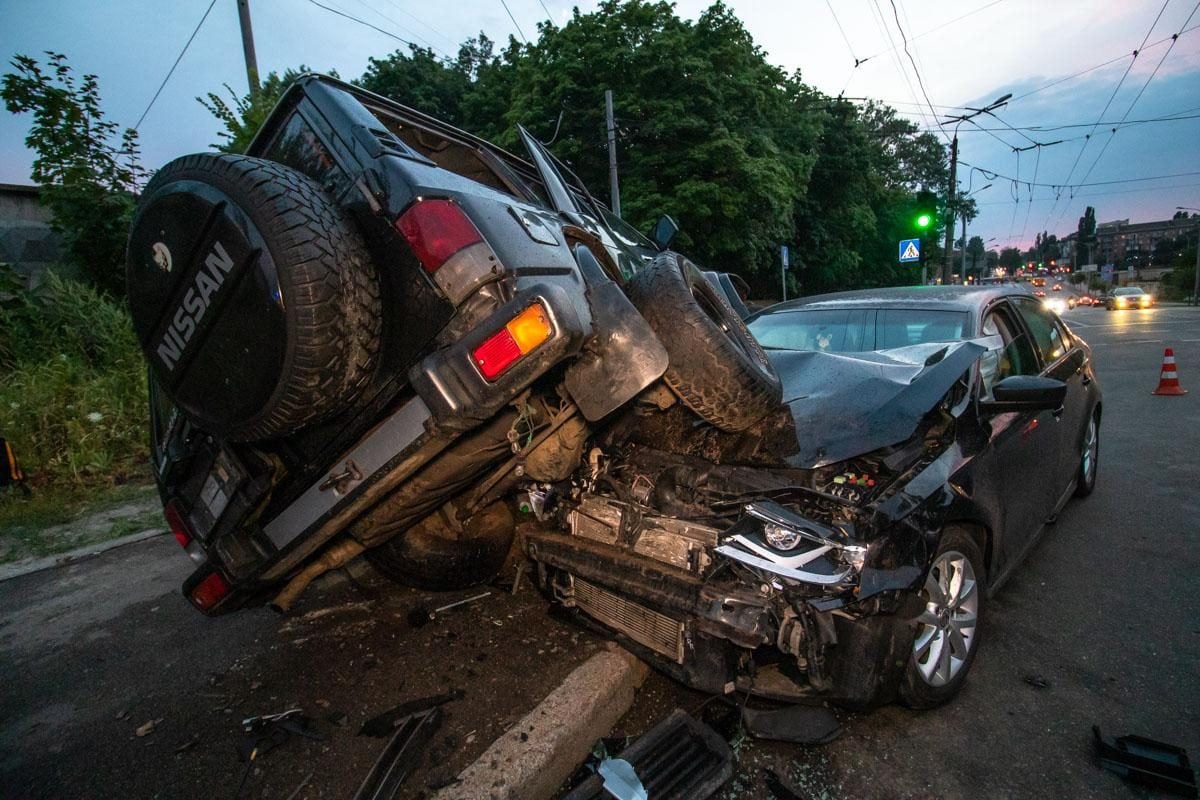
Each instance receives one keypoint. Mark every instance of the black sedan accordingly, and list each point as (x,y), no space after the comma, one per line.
(846,547)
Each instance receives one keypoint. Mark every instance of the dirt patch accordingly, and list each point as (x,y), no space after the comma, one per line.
(33,531)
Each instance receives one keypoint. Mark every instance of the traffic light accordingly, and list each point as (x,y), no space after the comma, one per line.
(925,211)
(923,220)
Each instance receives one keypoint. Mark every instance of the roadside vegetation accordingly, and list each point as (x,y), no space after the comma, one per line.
(72,380)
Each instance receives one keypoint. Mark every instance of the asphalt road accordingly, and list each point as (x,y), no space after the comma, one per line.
(1106,611)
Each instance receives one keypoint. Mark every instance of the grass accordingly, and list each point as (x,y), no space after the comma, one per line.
(54,522)
(73,405)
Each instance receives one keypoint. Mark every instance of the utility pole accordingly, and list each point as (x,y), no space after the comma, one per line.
(947,262)
(248,46)
(950,214)
(1196,278)
(612,153)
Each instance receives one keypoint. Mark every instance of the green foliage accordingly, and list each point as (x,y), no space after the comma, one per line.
(248,112)
(73,399)
(1078,277)
(1010,259)
(86,166)
(743,155)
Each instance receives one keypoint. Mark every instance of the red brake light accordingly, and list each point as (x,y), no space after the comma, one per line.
(179,528)
(496,354)
(436,230)
(524,333)
(209,591)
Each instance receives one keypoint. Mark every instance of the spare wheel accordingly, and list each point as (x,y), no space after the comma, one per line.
(718,369)
(252,295)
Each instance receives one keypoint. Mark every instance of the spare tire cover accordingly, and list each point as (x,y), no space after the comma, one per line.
(250,294)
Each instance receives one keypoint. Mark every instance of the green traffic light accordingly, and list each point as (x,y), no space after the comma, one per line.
(923,221)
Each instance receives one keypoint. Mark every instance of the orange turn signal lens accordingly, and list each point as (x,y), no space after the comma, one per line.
(530,328)
(523,334)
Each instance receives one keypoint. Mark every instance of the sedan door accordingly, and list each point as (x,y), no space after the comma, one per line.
(1065,361)
(1023,463)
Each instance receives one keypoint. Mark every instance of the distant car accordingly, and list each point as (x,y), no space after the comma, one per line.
(1058,287)
(1086,300)
(1129,297)
(1040,293)
(1057,304)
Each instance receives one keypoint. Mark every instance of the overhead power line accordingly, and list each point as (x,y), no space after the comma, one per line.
(364,22)
(935,30)
(402,28)
(992,175)
(1138,96)
(171,71)
(845,38)
(1176,117)
(514,22)
(917,72)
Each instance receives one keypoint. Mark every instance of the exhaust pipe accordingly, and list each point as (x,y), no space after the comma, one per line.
(334,556)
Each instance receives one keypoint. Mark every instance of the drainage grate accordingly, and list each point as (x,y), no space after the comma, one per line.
(658,632)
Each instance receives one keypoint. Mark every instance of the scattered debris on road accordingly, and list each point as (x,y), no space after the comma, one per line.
(384,724)
(146,728)
(1148,762)
(265,733)
(1036,681)
(401,755)
(679,757)
(423,615)
(798,724)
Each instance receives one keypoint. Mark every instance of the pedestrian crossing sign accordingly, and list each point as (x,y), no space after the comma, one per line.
(910,250)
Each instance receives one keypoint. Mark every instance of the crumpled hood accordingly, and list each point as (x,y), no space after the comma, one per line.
(848,404)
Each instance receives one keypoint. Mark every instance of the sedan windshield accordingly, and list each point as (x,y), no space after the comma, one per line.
(854,330)
(1128,291)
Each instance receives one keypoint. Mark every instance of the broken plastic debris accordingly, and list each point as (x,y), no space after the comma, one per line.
(798,724)
(620,780)
(1145,761)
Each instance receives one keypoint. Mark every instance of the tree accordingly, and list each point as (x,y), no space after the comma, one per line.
(1086,236)
(86,166)
(248,112)
(1011,260)
(422,81)
(975,251)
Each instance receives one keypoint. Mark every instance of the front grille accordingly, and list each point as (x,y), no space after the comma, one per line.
(646,627)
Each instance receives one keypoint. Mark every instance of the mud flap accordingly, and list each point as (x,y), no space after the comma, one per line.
(622,358)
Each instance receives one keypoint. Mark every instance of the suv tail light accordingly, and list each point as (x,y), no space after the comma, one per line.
(179,528)
(210,591)
(436,230)
(521,336)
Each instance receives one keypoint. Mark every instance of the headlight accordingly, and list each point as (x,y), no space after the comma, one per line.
(780,537)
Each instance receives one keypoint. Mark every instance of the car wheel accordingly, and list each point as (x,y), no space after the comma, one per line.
(1089,460)
(947,631)
(432,556)
(717,368)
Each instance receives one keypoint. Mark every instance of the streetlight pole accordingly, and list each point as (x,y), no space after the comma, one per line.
(950,213)
(963,271)
(1196,277)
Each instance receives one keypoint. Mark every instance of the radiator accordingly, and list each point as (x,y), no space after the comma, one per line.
(656,631)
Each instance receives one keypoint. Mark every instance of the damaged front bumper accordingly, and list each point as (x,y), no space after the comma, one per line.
(726,610)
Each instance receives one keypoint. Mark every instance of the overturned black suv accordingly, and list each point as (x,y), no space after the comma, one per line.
(376,334)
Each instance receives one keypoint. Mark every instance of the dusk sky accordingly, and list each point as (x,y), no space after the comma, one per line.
(967,54)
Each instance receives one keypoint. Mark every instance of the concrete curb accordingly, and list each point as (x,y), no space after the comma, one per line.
(30,565)
(536,755)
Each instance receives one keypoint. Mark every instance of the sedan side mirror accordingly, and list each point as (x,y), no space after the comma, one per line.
(1026,393)
(664,232)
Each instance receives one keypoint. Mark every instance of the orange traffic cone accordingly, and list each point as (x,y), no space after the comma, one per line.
(1168,382)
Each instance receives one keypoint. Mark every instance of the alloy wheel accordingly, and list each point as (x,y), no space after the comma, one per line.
(1091,446)
(946,631)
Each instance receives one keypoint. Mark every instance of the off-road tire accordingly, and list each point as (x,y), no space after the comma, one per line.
(717,367)
(328,286)
(428,556)
(915,692)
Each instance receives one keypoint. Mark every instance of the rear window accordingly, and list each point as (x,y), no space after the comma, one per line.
(298,146)
(834,330)
(853,330)
(901,327)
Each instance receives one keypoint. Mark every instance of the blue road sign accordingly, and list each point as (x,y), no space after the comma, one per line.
(910,250)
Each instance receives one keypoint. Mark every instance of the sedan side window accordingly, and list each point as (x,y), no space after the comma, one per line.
(1016,358)
(1046,334)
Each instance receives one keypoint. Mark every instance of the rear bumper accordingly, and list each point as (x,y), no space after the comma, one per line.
(451,398)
